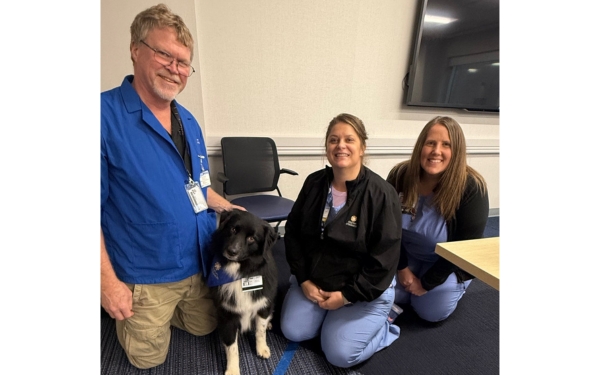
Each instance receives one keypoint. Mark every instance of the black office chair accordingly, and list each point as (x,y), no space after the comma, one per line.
(251,166)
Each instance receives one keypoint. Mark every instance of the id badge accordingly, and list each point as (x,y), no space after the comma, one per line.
(204,179)
(204,176)
(252,283)
(196,197)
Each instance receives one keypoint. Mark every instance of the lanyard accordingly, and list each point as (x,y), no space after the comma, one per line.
(186,150)
(326,210)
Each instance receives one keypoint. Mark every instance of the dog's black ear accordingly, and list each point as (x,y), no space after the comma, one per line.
(270,236)
(225,216)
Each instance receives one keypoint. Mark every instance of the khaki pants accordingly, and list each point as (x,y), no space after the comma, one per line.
(146,335)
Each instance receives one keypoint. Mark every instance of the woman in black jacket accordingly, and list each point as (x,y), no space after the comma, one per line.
(343,245)
(443,199)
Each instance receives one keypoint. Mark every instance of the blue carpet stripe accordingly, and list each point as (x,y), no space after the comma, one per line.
(286,358)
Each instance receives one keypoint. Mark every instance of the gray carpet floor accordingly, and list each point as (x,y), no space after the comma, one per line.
(466,343)
(189,354)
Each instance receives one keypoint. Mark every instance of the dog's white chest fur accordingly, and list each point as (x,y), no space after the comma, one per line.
(241,302)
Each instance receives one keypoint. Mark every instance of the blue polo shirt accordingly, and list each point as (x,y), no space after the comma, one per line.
(151,232)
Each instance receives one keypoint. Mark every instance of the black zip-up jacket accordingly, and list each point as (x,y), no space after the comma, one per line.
(360,248)
(468,224)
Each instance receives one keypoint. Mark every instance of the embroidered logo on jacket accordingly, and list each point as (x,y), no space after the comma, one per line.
(352,222)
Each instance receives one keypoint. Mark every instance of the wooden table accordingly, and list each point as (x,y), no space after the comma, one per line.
(481,258)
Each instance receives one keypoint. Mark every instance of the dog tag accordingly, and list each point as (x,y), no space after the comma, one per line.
(252,283)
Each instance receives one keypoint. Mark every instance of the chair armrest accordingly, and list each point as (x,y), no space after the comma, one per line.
(288,171)
(221,177)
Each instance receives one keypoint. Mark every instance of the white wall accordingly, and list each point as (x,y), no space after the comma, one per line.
(284,68)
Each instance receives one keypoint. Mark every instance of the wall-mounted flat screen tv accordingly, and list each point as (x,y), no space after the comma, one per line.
(456,55)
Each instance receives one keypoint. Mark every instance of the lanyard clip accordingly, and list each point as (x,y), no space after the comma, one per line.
(201,161)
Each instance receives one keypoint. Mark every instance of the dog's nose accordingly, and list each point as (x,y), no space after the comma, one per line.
(232,252)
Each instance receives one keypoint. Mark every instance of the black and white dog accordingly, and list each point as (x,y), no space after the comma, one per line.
(243,280)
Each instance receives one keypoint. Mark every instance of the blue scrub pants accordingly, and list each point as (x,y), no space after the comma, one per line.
(349,335)
(438,303)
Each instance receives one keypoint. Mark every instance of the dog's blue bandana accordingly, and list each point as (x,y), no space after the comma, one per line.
(217,275)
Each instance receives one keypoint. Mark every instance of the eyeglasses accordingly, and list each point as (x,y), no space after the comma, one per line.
(166,60)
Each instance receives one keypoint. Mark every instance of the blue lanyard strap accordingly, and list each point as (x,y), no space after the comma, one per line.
(326,210)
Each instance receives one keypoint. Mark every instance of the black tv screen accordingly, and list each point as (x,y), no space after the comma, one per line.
(456,55)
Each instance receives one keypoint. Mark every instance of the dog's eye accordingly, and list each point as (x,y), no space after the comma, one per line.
(233,230)
(251,239)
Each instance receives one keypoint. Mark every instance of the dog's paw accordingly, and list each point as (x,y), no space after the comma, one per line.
(263,351)
(230,371)
(269,326)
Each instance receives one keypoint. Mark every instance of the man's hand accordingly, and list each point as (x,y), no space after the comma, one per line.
(115,296)
(116,299)
(220,204)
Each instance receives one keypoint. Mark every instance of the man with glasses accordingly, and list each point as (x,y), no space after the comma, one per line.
(157,208)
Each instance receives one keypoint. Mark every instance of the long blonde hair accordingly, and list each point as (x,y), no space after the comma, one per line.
(449,190)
